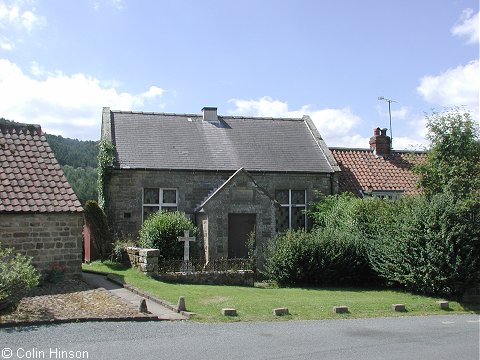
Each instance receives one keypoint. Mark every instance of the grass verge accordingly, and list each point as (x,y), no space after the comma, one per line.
(256,304)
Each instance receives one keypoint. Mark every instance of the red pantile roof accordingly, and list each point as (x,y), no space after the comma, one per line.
(31,179)
(362,170)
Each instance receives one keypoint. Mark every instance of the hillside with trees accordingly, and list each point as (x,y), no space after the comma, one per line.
(78,160)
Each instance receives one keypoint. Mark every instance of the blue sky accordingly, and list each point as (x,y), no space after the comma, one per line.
(62,61)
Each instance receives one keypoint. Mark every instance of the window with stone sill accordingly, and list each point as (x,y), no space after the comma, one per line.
(155,199)
(292,211)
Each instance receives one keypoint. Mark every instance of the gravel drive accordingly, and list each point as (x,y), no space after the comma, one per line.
(70,299)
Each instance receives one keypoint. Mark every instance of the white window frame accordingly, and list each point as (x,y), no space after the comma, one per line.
(290,206)
(161,205)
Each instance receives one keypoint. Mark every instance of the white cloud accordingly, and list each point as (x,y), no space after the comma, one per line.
(468,26)
(264,106)
(16,20)
(13,14)
(69,105)
(6,44)
(117,4)
(454,87)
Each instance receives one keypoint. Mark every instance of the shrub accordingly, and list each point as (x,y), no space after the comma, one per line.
(101,239)
(161,231)
(322,257)
(432,247)
(17,276)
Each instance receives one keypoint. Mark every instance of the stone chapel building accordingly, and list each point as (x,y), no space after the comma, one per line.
(231,175)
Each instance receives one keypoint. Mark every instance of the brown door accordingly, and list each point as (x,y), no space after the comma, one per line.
(239,227)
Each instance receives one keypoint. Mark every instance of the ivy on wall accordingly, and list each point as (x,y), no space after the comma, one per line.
(106,151)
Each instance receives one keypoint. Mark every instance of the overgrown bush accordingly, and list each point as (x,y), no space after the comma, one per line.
(161,231)
(100,236)
(433,247)
(17,276)
(324,257)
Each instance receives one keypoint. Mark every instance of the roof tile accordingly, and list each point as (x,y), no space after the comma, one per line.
(362,170)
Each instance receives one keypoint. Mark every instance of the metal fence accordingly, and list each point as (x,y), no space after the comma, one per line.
(199,265)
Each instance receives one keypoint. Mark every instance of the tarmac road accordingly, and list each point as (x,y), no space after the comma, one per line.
(432,337)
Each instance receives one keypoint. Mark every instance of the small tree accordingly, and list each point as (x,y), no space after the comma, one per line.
(453,161)
(96,220)
(161,231)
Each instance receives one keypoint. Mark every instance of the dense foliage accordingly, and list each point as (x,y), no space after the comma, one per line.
(335,252)
(423,244)
(73,152)
(106,156)
(83,182)
(433,247)
(100,237)
(453,162)
(78,160)
(17,276)
(323,257)
(161,231)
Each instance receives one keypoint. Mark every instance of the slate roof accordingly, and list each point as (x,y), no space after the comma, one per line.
(187,142)
(362,170)
(31,179)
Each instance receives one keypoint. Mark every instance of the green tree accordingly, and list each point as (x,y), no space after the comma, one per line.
(83,182)
(453,161)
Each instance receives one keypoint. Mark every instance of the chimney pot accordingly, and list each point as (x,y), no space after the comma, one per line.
(380,142)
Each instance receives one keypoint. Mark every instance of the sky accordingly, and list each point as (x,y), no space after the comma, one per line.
(62,61)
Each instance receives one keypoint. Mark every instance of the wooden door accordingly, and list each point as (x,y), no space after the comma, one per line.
(239,227)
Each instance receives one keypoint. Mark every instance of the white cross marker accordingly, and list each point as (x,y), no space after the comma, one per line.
(186,249)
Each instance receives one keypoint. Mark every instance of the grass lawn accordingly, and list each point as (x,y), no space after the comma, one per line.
(256,304)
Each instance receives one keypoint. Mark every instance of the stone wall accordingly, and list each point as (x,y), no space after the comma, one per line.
(145,260)
(124,190)
(47,237)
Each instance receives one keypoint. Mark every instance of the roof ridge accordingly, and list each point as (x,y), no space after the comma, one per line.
(402,151)
(200,115)
(153,113)
(11,126)
(260,118)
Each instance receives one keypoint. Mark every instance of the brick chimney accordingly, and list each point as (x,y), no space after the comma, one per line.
(210,114)
(380,142)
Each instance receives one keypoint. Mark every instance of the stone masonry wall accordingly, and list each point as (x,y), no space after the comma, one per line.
(47,237)
(145,260)
(240,196)
(124,190)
